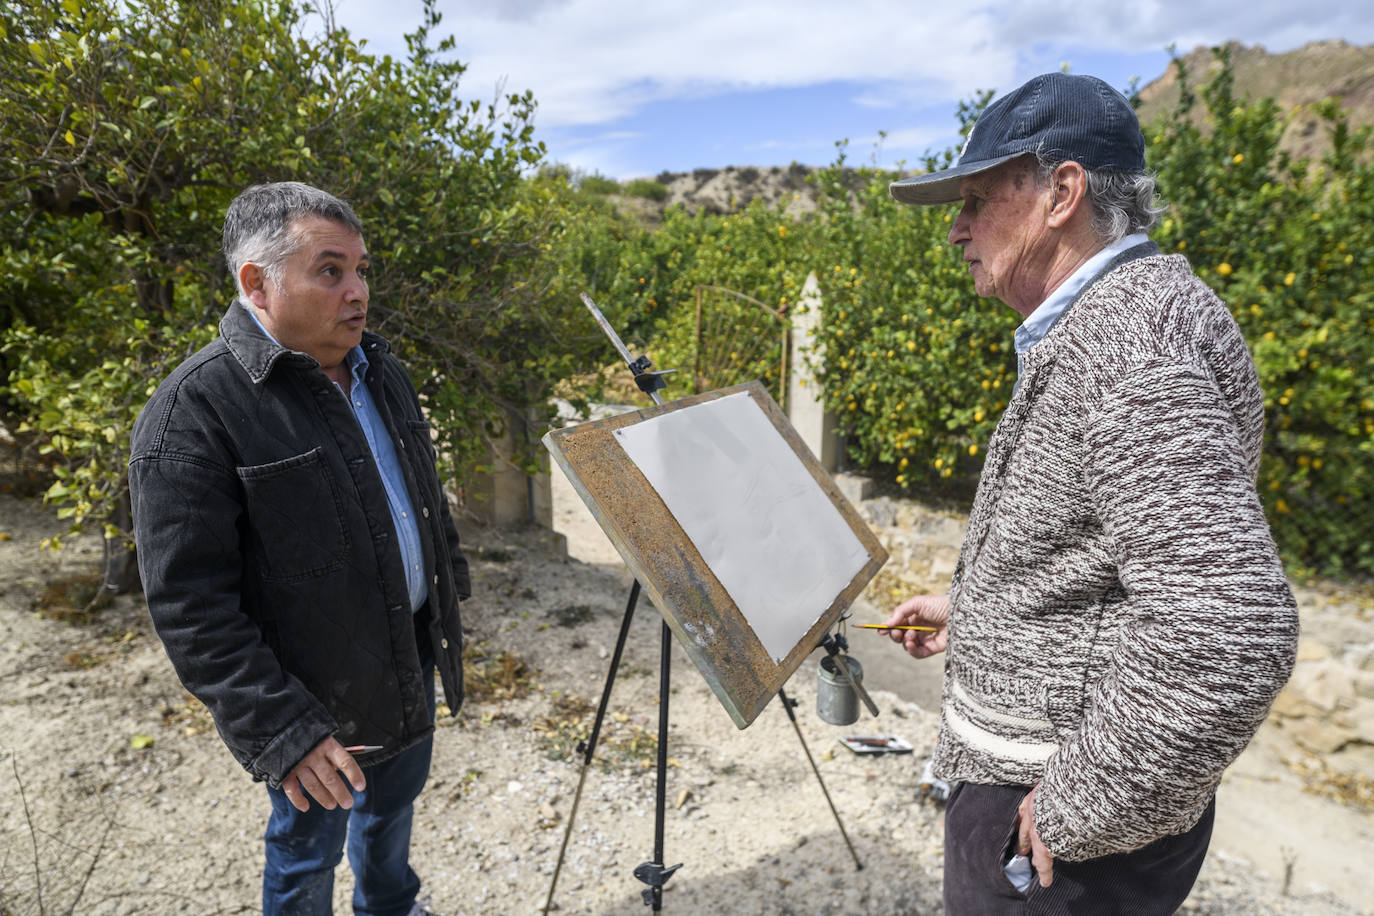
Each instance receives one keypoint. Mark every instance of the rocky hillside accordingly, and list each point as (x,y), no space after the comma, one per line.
(719,190)
(1297,80)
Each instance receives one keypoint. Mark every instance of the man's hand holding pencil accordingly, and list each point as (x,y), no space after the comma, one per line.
(919,624)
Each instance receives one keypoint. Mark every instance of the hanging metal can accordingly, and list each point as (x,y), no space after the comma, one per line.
(836,701)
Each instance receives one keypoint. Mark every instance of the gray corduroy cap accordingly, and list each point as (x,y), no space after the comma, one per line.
(1062,115)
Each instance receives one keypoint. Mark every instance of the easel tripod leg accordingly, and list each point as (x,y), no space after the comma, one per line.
(654,873)
(588,747)
(787,705)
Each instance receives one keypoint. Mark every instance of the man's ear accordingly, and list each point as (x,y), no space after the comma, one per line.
(1068,193)
(253,279)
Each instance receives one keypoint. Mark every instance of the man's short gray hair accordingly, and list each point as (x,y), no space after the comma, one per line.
(259,227)
(1122,202)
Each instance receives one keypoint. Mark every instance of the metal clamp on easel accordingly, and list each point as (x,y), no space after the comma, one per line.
(648,382)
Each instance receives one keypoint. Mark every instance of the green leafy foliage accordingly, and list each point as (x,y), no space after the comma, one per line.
(1284,244)
(127,129)
(919,369)
(735,276)
(916,366)
(648,189)
(128,126)
(596,183)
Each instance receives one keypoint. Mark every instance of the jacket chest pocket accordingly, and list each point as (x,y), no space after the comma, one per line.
(420,435)
(422,457)
(295,517)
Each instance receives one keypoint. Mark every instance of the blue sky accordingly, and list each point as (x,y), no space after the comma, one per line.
(631,88)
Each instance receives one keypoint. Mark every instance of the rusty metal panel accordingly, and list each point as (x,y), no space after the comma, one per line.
(697,608)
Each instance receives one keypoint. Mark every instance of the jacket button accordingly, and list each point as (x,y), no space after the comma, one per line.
(424,510)
(444,642)
(436,580)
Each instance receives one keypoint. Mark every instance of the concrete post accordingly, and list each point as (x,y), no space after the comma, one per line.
(805,407)
(504,496)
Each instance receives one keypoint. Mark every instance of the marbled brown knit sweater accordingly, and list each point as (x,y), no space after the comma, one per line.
(1120,621)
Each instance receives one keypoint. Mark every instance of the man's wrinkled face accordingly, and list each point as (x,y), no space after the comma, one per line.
(320,305)
(1003,232)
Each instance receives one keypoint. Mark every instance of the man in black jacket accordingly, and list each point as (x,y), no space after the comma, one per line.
(298,555)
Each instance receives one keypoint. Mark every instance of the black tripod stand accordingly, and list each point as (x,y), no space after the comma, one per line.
(655,873)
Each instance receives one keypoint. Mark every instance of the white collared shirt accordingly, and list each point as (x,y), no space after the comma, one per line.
(1039,322)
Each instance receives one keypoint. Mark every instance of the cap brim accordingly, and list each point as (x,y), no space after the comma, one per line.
(941,187)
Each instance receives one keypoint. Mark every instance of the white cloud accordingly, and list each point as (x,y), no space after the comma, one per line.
(1153,24)
(593,61)
(602,139)
(605,158)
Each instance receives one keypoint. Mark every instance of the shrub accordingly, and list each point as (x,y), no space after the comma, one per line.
(648,189)
(111,245)
(1284,243)
(919,369)
(596,183)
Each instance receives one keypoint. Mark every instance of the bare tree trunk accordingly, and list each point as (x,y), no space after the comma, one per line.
(119,567)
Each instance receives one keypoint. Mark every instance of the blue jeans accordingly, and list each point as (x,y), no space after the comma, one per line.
(303,848)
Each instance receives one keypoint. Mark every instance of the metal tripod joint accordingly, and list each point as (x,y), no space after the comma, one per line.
(656,876)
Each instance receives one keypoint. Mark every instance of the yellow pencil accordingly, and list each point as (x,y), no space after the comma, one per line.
(878,626)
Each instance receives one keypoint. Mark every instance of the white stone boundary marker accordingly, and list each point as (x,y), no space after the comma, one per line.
(805,397)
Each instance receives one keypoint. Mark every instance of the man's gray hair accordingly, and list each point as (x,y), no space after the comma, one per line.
(1122,202)
(259,227)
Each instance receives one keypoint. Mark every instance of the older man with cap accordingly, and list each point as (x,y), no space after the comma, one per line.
(1118,623)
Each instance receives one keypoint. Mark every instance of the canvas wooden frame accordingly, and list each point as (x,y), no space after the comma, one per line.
(742,674)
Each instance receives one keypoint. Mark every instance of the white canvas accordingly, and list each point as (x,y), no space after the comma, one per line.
(766,529)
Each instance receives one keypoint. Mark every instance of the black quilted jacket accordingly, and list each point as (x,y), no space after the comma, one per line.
(268,556)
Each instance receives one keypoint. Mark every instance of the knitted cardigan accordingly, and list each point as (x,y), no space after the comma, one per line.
(1120,622)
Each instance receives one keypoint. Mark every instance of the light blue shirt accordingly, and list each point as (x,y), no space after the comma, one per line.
(1039,322)
(388,465)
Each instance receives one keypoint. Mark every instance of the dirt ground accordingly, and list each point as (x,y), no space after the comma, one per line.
(116,796)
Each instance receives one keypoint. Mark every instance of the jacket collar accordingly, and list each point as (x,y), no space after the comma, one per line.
(1042,353)
(259,354)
